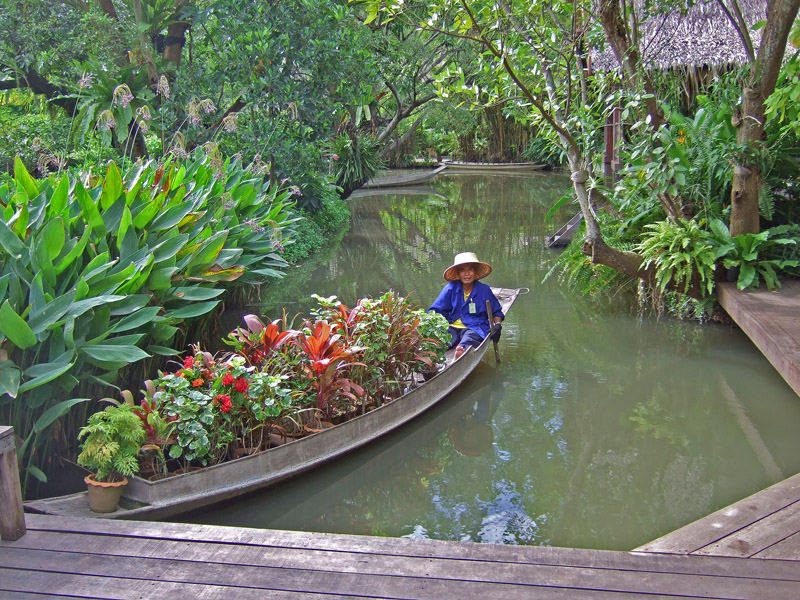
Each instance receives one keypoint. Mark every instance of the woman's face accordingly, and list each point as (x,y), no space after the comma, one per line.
(466,273)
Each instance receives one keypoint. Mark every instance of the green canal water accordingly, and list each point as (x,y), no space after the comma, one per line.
(600,429)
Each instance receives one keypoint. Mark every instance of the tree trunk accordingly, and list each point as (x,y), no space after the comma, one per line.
(747,177)
(628,57)
(176,38)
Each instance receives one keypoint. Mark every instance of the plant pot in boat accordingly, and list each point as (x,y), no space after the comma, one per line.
(104,495)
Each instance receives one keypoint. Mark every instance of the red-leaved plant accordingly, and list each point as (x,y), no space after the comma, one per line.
(327,357)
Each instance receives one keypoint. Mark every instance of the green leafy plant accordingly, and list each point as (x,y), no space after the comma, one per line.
(99,273)
(682,254)
(751,253)
(112,439)
(354,160)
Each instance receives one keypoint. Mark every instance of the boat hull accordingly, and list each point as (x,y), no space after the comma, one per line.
(472,167)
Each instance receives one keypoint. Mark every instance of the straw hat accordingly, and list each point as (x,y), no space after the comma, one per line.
(482,269)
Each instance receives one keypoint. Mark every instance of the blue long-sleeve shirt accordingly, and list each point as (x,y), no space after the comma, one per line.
(452,306)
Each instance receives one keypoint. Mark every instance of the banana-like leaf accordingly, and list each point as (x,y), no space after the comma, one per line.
(49,372)
(58,201)
(10,376)
(55,412)
(193,310)
(196,294)
(10,242)
(89,210)
(137,319)
(112,353)
(15,328)
(219,274)
(24,180)
(51,312)
(112,187)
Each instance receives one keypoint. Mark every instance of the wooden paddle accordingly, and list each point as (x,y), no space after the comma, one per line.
(491,330)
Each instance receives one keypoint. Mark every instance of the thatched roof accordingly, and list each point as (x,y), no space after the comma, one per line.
(703,36)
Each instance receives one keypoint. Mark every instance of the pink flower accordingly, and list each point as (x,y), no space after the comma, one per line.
(335,157)
(241,385)
(188,362)
(227,379)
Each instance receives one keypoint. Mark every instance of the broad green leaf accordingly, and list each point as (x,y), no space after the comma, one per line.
(162,350)
(81,306)
(124,224)
(215,274)
(10,242)
(171,217)
(193,310)
(195,293)
(149,212)
(55,412)
(74,252)
(54,236)
(89,210)
(58,201)
(51,313)
(112,187)
(24,180)
(134,320)
(49,372)
(111,353)
(208,251)
(15,328)
(10,376)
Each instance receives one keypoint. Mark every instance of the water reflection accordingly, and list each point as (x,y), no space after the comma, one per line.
(599,430)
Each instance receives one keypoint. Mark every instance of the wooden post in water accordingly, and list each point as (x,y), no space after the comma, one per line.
(12,518)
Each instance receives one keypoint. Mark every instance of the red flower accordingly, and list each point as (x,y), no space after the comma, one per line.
(227,379)
(188,362)
(224,402)
(241,385)
(197,382)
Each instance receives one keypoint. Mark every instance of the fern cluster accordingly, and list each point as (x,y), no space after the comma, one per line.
(680,251)
(113,439)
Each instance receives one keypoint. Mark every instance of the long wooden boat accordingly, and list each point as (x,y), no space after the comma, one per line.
(144,499)
(455,166)
(405,179)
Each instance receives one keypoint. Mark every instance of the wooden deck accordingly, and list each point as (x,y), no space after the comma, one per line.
(95,558)
(772,321)
(764,525)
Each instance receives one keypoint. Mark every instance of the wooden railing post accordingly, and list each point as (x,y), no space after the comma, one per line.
(12,518)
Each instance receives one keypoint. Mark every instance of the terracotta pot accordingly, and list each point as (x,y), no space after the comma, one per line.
(104,495)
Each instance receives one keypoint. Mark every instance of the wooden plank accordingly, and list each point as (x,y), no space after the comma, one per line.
(728,520)
(373,566)
(770,320)
(788,548)
(757,536)
(105,588)
(400,584)
(265,538)
(12,518)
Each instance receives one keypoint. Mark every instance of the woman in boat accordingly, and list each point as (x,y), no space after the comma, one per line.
(462,302)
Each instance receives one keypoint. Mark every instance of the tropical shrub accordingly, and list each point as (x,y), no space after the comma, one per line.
(354,160)
(99,273)
(755,256)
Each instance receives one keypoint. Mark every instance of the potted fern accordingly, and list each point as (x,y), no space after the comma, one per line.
(112,439)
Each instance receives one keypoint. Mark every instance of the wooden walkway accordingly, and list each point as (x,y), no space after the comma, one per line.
(772,321)
(764,525)
(93,558)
